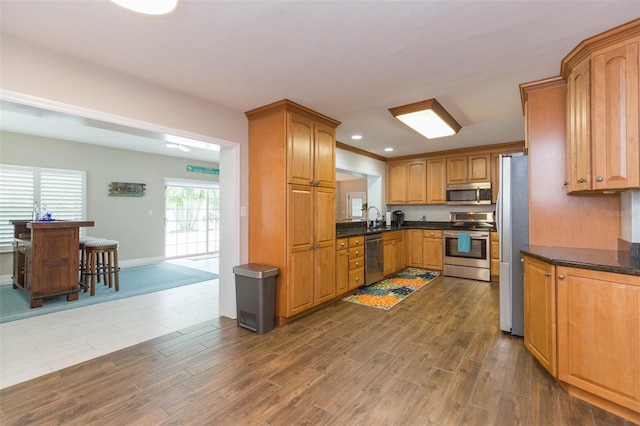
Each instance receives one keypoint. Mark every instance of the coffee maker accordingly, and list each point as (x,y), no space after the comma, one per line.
(398,218)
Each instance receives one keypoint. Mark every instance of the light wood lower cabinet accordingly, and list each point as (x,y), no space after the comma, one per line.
(414,248)
(598,317)
(495,256)
(342,265)
(540,312)
(393,245)
(584,327)
(432,249)
(356,262)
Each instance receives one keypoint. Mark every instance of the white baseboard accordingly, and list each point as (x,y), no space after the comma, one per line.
(6,279)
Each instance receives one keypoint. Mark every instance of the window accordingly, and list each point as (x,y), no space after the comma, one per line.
(192,218)
(61,192)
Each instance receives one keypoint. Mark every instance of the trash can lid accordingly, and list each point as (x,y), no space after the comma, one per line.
(256,270)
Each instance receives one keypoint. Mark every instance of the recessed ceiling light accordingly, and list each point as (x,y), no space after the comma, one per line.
(148,7)
(388,149)
(356,137)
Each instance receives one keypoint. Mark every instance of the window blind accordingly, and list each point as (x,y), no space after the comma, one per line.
(62,192)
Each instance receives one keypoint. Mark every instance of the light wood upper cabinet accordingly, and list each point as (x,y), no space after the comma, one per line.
(540,312)
(417,182)
(407,182)
(479,168)
(436,181)
(457,169)
(598,320)
(615,80)
(603,141)
(396,183)
(469,168)
(311,152)
(579,127)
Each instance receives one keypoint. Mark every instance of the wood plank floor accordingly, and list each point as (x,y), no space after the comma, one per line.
(437,358)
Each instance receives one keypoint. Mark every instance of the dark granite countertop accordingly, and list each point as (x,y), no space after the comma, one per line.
(616,261)
(353,229)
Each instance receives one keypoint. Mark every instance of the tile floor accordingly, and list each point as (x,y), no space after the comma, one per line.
(36,346)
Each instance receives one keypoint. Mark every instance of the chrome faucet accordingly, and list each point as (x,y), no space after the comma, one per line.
(375,222)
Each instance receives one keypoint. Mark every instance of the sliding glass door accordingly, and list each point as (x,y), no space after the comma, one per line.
(192,217)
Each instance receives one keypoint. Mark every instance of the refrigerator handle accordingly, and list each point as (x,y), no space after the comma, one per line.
(499,219)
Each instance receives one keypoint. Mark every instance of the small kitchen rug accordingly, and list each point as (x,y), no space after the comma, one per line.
(393,290)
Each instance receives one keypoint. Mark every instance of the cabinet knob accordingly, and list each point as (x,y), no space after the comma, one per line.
(357,242)
(582,180)
(357,278)
(561,277)
(566,183)
(357,253)
(342,244)
(599,178)
(357,263)
(547,274)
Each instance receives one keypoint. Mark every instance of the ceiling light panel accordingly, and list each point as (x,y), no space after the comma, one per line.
(428,118)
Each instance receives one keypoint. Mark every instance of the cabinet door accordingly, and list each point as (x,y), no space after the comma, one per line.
(325,156)
(300,150)
(436,181)
(414,252)
(615,141)
(300,294)
(479,168)
(396,183)
(598,318)
(389,254)
(342,271)
(495,256)
(578,127)
(457,169)
(401,252)
(324,245)
(417,182)
(540,312)
(432,253)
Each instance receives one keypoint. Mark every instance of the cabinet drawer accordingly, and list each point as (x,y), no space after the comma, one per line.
(430,233)
(356,263)
(356,278)
(356,252)
(356,241)
(342,243)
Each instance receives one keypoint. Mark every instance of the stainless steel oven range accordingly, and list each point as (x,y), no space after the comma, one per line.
(467,246)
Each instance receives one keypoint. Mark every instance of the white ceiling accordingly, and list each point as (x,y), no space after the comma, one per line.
(350,60)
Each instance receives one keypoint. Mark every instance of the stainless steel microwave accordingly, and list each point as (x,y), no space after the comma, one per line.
(469,193)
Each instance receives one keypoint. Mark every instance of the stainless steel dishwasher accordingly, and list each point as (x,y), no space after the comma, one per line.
(373,259)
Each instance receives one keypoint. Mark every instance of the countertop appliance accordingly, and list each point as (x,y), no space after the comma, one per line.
(512,212)
(469,193)
(398,218)
(475,262)
(373,259)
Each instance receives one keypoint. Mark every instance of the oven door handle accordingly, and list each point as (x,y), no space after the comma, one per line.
(455,234)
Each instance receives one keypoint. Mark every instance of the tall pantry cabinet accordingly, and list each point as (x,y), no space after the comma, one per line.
(291,203)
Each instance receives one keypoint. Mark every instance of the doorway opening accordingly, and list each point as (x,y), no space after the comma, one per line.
(192,219)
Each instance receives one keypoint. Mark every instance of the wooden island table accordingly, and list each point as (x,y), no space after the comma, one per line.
(46,258)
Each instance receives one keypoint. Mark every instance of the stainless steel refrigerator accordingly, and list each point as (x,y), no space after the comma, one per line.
(512,217)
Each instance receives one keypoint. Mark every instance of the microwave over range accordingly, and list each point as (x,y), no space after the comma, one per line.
(465,194)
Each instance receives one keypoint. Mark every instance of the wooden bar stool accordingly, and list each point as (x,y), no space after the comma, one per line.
(101,260)
(83,258)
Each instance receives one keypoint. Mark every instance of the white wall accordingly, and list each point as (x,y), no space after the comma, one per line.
(29,70)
